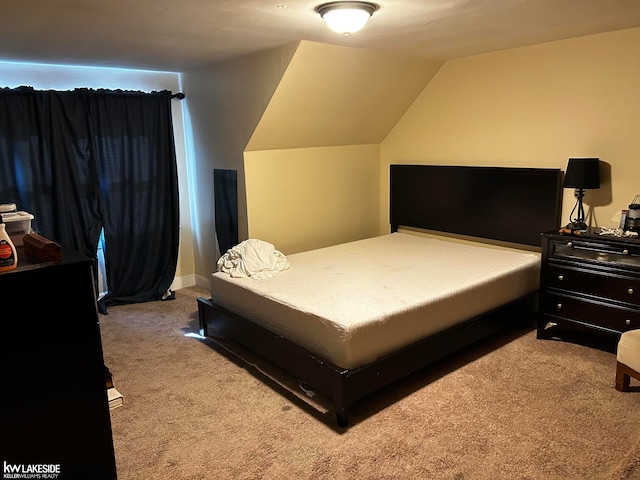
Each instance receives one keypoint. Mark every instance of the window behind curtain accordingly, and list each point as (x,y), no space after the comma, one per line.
(45,164)
(86,160)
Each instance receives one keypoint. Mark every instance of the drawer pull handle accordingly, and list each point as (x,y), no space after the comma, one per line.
(630,291)
(569,244)
(560,277)
(559,306)
(627,322)
(625,252)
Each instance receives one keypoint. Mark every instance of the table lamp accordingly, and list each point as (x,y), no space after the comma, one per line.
(582,174)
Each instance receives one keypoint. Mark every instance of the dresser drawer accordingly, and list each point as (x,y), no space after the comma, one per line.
(615,254)
(619,288)
(599,315)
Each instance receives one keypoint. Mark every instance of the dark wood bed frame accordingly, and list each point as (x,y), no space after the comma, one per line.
(511,205)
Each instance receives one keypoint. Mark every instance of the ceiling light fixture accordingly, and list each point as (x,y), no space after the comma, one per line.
(346,17)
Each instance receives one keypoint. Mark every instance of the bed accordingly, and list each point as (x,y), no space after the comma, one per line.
(348,319)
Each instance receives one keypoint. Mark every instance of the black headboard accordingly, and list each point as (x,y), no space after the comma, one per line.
(511,205)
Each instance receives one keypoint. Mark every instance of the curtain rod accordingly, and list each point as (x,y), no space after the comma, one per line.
(85,90)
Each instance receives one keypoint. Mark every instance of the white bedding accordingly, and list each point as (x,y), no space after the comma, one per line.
(253,258)
(353,303)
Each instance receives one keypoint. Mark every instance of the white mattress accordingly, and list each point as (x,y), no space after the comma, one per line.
(353,303)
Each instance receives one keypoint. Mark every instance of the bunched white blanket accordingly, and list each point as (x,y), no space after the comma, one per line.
(253,258)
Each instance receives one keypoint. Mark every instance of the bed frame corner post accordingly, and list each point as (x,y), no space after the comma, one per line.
(341,396)
(342,417)
(342,412)
(201,320)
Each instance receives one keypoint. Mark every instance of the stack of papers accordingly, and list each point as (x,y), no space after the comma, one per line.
(115,398)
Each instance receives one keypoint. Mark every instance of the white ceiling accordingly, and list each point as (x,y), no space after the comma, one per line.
(178,35)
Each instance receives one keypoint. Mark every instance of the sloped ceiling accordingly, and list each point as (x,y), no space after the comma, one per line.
(177,36)
(333,95)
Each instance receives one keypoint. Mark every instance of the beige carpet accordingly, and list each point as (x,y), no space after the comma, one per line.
(511,408)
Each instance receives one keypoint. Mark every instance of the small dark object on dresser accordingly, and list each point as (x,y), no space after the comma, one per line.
(40,249)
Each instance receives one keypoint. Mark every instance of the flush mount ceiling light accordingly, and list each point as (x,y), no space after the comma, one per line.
(346,17)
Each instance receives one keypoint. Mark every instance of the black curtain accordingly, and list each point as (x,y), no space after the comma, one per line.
(46,165)
(84,160)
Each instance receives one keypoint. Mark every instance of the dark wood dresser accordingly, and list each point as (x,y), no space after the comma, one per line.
(54,414)
(589,283)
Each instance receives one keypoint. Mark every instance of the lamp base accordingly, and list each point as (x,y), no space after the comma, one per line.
(577,226)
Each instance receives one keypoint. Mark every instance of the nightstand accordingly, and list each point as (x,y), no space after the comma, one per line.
(589,283)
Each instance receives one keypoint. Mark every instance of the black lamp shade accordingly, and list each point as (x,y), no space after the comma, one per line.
(582,173)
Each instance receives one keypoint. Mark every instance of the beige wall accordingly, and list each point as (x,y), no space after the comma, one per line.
(303,113)
(534,107)
(312,158)
(333,95)
(305,198)
(225,102)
